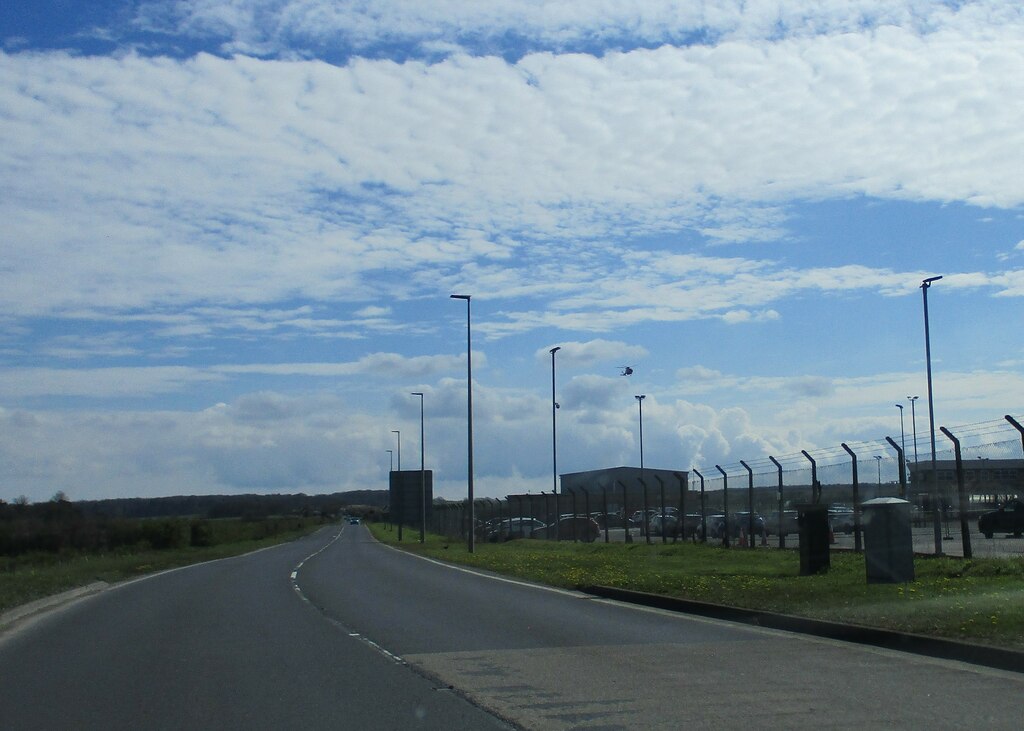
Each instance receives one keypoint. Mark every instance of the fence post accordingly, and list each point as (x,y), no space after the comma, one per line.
(682,504)
(646,523)
(965,528)
(903,467)
(815,487)
(604,499)
(1018,427)
(661,482)
(856,500)
(782,536)
(703,509)
(725,505)
(573,494)
(750,504)
(627,538)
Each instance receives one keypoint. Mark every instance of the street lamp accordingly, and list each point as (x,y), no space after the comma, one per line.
(423,476)
(878,461)
(913,421)
(903,436)
(643,485)
(469,420)
(393,509)
(554,407)
(399,433)
(640,405)
(925,286)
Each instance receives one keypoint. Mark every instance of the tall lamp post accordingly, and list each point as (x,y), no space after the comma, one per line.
(878,461)
(393,509)
(423,476)
(399,434)
(640,405)
(643,485)
(903,436)
(401,502)
(936,500)
(469,411)
(554,408)
(913,422)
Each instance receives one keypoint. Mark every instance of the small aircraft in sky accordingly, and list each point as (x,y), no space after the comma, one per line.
(626,370)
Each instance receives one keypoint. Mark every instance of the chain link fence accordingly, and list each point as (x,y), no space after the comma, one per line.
(752,503)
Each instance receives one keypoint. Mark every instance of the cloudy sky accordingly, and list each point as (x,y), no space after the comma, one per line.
(230,229)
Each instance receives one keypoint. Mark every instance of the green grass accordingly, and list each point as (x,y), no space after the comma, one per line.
(38,575)
(979,601)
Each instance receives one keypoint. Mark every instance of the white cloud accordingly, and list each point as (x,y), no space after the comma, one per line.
(99,383)
(253,180)
(269,26)
(591,352)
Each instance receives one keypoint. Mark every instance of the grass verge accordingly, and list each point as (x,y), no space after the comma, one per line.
(38,575)
(980,601)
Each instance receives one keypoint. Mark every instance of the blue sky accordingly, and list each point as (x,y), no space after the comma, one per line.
(231,230)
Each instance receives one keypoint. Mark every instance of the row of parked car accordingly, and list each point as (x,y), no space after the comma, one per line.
(566,528)
(668,524)
(1008,518)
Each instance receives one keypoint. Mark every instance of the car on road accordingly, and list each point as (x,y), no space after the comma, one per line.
(571,527)
(1008,518)
(353,521)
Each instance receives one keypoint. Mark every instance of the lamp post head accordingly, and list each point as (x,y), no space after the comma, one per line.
(926,283)
(417,393)
(640,397)
(555,349)
(460,297)
(899,406)
(913,398)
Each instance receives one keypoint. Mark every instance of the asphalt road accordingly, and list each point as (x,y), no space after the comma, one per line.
(338,631)
(222,645)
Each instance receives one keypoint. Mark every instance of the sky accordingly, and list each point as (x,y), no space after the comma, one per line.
(231,229)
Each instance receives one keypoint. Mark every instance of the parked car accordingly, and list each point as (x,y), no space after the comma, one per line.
(614,520)
(739,521)
(690,525)
(1008,518)
(744,523)
(790,523)
(571,527)
(841,519)
(663,525)
(716,525)
(511,528)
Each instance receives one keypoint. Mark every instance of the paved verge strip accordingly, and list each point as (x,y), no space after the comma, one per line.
(994,657)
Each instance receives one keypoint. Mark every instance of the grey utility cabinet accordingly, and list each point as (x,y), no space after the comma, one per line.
(888,541)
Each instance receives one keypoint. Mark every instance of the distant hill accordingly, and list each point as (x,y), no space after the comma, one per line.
(230,506)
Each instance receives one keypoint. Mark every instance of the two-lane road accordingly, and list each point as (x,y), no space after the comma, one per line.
(338,631)
(223,645)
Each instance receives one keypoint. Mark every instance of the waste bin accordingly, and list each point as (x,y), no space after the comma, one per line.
(888,541)
(812,526)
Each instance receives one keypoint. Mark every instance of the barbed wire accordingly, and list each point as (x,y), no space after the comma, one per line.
(833,456)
